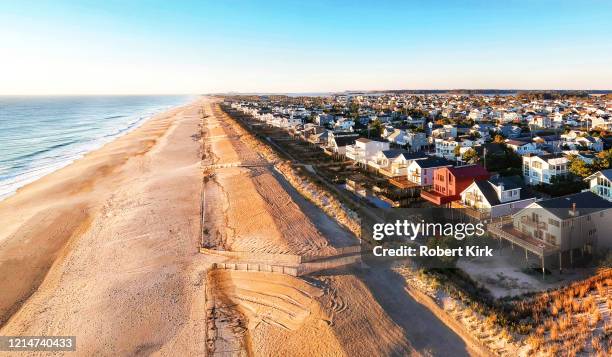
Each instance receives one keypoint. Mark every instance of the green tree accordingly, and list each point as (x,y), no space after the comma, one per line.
(579,167)
(375,128)
(470,156)
(457,151)
(603,160)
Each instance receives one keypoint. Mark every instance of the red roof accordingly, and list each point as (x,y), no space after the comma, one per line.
(468,171)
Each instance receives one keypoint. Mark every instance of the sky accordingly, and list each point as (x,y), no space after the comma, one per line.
(172,47)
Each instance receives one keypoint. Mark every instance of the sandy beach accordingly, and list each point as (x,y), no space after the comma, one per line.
(108,249)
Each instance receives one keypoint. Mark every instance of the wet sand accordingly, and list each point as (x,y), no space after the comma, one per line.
(107,248)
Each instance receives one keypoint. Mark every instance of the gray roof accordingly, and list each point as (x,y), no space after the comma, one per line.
(433,162)
(487,189)
(586,203)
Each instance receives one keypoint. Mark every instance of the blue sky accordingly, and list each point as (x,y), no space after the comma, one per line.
(92,47)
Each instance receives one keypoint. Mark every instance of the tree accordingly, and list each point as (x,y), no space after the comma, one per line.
(603,160)
(470,156)
(579,167)
(499,139)
(376,128)
(457,151)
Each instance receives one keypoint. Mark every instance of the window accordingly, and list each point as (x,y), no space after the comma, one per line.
(553,222)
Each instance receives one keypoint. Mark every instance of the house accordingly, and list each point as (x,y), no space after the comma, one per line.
(509,117)
(397,137)
(602,123)
(542,168)
(589,142)
(344,124)
(445,132)
(421,171)
(541,121)
(319,138)
(508,131)
(394,163)
(559,226)
(363,150)
(324,119)
(337,144)
(445,148)
(416,141)
(568,222)
(475,115)
(522,147)
(449,182)
(600,184)
(495,197)
(550,143)
(481,130)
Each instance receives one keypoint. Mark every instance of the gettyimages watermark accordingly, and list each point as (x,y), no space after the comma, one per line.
(547,238)
(435,237)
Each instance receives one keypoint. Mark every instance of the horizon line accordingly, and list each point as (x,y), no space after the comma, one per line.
(237,92)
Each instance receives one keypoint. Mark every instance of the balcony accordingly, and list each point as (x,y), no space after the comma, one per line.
(472,211)
(528,221)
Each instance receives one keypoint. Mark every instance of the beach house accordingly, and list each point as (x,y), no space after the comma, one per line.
(449,182)
(600,184)
(543,168)
(495,197)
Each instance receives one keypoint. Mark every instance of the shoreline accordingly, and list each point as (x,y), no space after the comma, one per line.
(99,230)
(38,172)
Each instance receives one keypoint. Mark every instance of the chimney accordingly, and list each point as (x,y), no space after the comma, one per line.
(573,211)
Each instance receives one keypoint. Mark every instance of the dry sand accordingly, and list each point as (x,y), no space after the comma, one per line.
(107,249)
(348,312)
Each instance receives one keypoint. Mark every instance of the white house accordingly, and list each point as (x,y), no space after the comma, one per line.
(475,115)
(364,150)
(601,184)
(522,147)
(446,131)
(509,117)
(601,123)
(445,148)
(338,143)
(541,169)
(394,163)
(496,197)
(416,140)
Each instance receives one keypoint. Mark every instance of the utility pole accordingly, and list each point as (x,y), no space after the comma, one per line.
(484,154)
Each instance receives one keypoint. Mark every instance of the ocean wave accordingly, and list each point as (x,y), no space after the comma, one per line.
(67,136)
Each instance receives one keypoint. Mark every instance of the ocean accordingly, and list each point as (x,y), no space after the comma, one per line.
(41,134)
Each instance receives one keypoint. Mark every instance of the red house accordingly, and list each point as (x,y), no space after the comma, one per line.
(450,181)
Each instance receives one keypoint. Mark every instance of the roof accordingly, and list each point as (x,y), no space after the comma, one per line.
(393,153)
(487,188)
(551,156)
(586,203)
(344,140)
(516,142)
(433,162)
(605,173)
(468,171)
